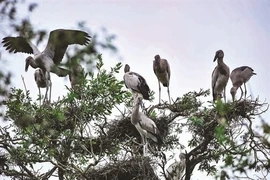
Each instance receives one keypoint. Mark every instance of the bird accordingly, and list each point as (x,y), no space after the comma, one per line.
(162,70)
(49,59)
(176,170)
(43,81)
(76,77)
(220,76)
(224,175)
(136,83)
(145,126)
(240,76)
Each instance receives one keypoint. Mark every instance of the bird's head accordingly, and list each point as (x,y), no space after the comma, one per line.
(27,62)
(139,99)
(127,68)
(233,92)
(157,57)
(219,54)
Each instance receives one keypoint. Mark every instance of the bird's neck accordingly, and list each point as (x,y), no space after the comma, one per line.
(157,64)
(33,64)
(135,113)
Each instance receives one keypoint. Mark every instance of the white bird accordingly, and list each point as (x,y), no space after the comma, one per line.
(43,81)
(162,70)
(240,76)
(176,170)
(220,77)
(136,83)
(48,60)
(145,126)
(76,77)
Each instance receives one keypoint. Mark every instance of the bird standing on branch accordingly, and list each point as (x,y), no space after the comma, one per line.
(145,126)
(162,70)
(240,76)
(43,81)
(220,77)
(76,78)
(136,83)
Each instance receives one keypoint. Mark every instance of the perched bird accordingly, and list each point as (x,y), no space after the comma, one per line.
(176,170)
(145,126)
(48,60)
(238,77)
(136,83)
(162,70)
(76,75)
(220,77)
(43,81)
(224,175)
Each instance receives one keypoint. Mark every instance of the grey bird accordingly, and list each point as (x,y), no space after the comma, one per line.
(76,77)
(176,170)
(136,83)
(162,70)
(43,81)
(220,77)
(240,76)
(224,175)
(48,60)
(145,126)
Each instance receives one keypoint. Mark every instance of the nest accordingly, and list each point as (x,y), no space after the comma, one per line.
(119,131)
(133,169)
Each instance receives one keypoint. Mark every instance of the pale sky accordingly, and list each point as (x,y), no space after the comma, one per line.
(186,32)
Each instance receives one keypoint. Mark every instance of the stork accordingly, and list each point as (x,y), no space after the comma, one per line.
(240,76)
(76,77)
(145,126)
(136,83)
(162,70)
(43,81)
(220,76)
(176,170)
(224,175)
(48,60)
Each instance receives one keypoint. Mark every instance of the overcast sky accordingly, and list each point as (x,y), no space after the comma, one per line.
(187,33)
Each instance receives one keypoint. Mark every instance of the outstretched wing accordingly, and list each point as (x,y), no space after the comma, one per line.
(19,44)
(60,39)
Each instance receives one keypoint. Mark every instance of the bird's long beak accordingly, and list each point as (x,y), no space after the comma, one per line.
(27,63)
(215,58)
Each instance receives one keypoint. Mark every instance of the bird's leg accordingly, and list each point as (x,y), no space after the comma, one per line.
(159,88)
(39,96)
(245,91)
(224,94)
(50,91)
(143,141)
(168,90)
(46,95)
(241,93)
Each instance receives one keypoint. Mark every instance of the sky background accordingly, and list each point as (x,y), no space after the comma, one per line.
(186,32)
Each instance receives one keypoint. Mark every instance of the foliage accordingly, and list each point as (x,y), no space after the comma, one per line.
(78,138)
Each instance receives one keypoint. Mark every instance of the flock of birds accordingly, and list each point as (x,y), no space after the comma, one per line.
(49,60)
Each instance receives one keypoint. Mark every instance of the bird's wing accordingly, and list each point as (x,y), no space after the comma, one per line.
(60,39)
(148,124)
(131,81)
(214,79)
(143,86)
(19,44)
(168,69)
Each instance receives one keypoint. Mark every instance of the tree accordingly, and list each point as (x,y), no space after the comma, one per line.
(84,139)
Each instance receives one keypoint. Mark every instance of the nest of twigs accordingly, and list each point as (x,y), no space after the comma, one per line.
(138,168)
